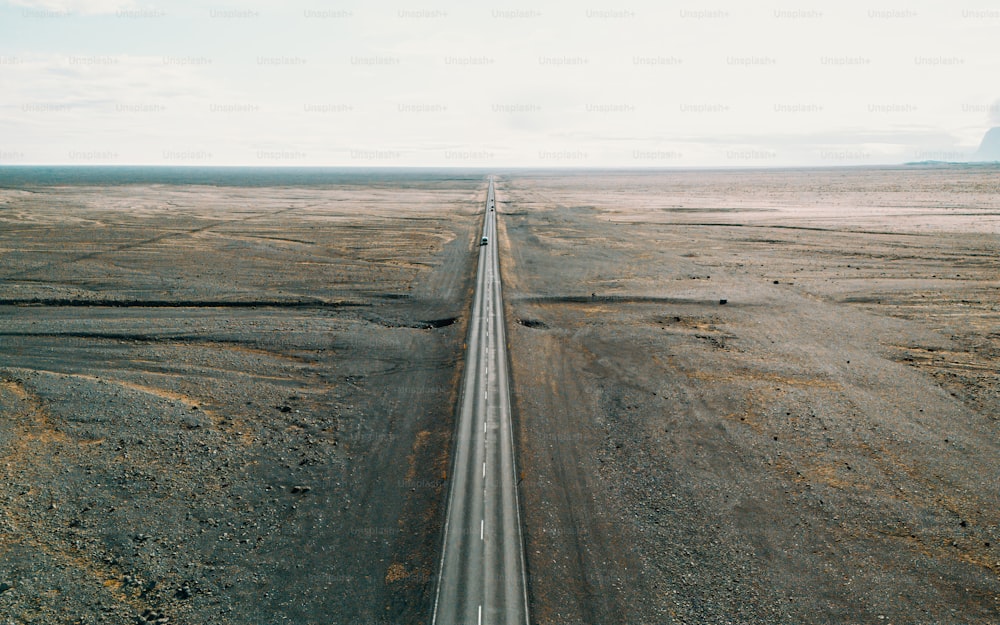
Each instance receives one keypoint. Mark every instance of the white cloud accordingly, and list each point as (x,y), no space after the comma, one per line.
(559,79)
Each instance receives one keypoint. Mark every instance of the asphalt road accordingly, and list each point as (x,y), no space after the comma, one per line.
(481,579)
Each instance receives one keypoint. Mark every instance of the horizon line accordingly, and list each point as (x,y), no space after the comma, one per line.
(496,167)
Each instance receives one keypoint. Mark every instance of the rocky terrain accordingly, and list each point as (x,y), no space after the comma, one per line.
(228,404)
(741,396)
(757,397)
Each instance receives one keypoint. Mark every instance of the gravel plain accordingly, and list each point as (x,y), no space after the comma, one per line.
(228,404)
(757,396)
(741,396)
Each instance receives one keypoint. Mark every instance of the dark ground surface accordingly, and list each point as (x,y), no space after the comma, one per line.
(233,405)
(256,432)
(823,448)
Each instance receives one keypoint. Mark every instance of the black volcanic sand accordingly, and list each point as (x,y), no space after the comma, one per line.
(229,405)
(822,448)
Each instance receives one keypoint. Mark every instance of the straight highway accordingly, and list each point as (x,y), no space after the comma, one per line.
(482,577)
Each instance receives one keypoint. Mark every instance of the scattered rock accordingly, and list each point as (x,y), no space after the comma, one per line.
(190,424)
(184,592)
(151,617)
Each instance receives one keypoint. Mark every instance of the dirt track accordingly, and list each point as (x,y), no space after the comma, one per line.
(821,449)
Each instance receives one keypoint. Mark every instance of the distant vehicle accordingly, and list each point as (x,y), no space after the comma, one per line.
(484,241)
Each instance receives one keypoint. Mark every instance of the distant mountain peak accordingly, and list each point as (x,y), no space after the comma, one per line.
(989,149)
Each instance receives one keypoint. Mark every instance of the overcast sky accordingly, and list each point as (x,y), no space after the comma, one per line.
(440,83)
